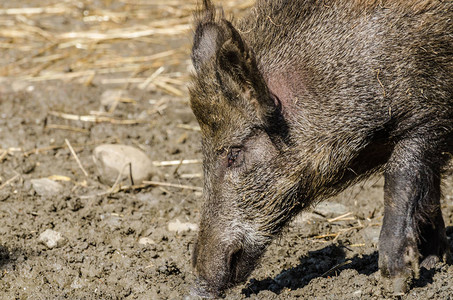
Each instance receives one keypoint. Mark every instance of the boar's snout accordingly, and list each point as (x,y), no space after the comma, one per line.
(219,266)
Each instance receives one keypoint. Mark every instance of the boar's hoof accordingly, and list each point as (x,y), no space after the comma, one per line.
(398,261)
(430,262)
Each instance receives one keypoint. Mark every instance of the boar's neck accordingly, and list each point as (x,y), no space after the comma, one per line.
(333,148)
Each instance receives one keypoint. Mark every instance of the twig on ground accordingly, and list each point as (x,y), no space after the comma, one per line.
(59,178)
(11,180)
(49,148)
(336,267)
(326,235)
(341,218)
(176,162)
(96,119)
(191,176)
(128,33)
(3,155)
(76,157)
(168,88)
(66,127)
(33,10)
(175,172)
(43,149)
(116,187)
(131,178)
(117,182)
(337,234)
(188,127)
(166,184)
(153,76)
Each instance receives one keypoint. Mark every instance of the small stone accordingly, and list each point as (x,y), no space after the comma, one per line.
(169,268)
(181,227)
(4,194)
(77,283)
(52,239)
(28,166)
(146,241)
(46,187)
(110,160)
(331,208)
(305,218)
(191,297)
(75,204)
(307,223)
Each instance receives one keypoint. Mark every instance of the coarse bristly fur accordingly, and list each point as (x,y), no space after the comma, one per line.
(300,99)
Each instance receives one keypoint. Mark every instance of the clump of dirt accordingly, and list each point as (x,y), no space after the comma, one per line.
(118,244)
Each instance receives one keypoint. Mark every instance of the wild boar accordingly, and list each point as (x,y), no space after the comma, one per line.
(300,99)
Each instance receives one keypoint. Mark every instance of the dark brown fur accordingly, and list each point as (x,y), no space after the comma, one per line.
(300,99)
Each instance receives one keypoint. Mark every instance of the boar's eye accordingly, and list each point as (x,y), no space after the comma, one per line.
(233,157)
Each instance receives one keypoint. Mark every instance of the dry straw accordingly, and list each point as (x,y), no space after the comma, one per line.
(87,51)
(91,49)
(129,42)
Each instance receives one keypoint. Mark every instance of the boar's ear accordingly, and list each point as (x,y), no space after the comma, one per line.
(205,44)
(234,57)
(238,60)
(208,35)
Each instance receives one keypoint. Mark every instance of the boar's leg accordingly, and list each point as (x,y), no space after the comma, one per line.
(413,226)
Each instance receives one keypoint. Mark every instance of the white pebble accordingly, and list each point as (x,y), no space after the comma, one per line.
(146,241)
(327,208)
(52,239)
(305,218)
(46,187)
(110,160)
(77,283)
(181,227)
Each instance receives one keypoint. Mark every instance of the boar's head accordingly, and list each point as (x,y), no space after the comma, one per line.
(248,194)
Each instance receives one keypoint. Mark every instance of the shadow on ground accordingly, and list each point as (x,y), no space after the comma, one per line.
(325,262)
(4,256)
(330,261)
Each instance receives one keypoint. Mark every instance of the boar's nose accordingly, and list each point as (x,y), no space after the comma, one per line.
(217,267)
(233,259)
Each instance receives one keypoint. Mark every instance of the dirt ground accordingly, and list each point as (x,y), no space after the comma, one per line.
(51,86)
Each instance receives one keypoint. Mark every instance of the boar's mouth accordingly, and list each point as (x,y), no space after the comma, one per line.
(201,289)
